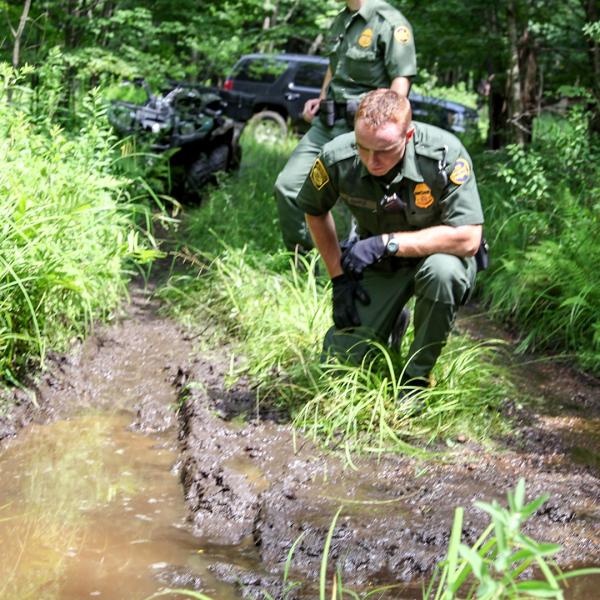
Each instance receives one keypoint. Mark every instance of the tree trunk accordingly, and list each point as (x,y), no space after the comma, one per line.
(18,34)
(16,54)
(592,15)
(316,44)
(515,105)
(528,55)
(494,90)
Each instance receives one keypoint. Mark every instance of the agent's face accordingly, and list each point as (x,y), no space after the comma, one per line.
(381,149)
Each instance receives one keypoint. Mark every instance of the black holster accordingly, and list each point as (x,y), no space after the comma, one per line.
(327,112)
(351,110)
(482,257)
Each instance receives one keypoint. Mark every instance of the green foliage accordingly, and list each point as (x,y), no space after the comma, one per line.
(429,85)
(66,230)
(592,30)
(542,221)
(493,568)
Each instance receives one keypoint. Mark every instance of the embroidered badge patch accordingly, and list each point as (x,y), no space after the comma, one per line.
(461,171)
(402,34)
(366,37)
(423,196)
(318,175)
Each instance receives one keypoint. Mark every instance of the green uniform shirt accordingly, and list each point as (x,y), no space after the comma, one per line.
(422,199)
(367,49)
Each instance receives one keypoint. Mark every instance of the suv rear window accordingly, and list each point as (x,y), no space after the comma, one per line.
(310,75)
(260,70)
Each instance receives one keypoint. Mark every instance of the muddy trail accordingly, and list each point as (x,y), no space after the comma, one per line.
(130,466)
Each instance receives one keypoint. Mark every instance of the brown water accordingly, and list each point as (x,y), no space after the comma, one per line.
(89,509)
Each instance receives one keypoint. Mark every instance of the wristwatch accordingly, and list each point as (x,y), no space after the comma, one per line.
(392,246)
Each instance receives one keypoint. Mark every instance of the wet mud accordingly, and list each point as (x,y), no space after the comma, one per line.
(255,482)
(251,483)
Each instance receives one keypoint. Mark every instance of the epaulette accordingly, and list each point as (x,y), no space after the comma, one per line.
(340,148)
(391,15)
(431,146)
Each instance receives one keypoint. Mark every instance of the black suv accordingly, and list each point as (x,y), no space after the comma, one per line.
(276,86)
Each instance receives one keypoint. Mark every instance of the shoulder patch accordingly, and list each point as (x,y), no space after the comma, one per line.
(402,35)
(461,171)
(319,175)
(366,37)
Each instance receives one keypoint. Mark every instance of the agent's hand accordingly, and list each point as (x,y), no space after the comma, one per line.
(346,291)
(311,108)
(362,254)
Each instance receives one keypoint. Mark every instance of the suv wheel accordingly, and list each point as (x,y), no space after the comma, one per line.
(267,126)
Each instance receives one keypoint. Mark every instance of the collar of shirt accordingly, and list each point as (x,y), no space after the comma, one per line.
(410,166)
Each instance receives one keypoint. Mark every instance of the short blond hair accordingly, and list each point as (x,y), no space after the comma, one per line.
(384,106)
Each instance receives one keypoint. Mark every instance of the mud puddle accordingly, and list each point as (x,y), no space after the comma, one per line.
(90,503)
(92,510)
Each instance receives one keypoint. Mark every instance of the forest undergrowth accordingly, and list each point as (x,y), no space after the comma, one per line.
(70,227)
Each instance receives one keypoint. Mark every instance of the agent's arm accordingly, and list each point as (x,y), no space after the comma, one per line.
(311,106)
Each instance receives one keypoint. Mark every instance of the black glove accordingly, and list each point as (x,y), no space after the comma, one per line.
(346,291)
(357,257)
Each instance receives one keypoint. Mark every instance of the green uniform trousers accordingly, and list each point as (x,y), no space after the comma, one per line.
(440,284)
(287,187)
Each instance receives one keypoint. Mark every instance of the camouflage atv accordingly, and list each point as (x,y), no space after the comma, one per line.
(190,125)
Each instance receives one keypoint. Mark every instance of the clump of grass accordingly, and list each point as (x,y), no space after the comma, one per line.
(358,404)
(241,212)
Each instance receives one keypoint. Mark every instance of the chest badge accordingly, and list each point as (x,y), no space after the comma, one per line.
(461,171)
(319,175)
(402,35)
(423,196)
(366,37)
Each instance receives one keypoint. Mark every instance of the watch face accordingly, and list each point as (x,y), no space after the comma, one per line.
(392,247)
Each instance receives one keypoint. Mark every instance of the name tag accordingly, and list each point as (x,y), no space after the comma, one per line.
(359,202)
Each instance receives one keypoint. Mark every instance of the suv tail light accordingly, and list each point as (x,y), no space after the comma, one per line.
(228,85)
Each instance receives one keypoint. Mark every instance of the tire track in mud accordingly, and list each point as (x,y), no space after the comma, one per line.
(135,364)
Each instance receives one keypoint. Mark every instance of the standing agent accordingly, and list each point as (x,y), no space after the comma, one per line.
(370,45)
(411,188)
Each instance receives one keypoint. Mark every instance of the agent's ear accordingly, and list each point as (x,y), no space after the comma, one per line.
(410,133)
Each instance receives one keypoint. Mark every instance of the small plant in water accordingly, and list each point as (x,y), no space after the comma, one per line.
(492,568)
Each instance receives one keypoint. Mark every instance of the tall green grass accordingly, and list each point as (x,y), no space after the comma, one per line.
(276,317)
(67,229)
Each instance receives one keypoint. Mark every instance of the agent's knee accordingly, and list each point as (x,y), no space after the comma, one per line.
(282,185)
(443,278)
(347,346)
